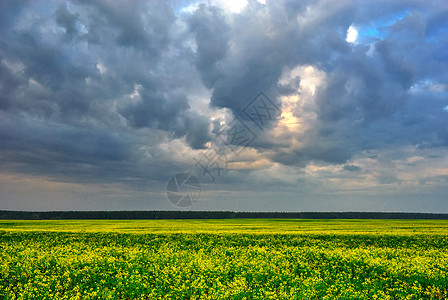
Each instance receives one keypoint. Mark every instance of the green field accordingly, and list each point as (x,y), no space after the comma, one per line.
(224,259)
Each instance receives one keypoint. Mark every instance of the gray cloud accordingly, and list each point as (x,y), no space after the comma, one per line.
(108,92)
(352,168)
(67,20)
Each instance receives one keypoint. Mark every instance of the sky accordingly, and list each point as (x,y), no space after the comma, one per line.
(284,105)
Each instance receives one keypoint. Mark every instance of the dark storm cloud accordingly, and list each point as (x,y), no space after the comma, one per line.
(154,110)
(237,70)
(86,85)
(73,144)
(142,24)
(264,40)
(35,147)
(212,36)
(9,84)
(366,102)
(169,113)
(67,20)
(67,76)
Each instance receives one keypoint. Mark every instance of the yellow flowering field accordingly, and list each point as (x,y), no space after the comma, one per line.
(224,259)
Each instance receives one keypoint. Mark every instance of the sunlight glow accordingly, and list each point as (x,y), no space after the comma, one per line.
(287,117)
(232,6)
(352,34)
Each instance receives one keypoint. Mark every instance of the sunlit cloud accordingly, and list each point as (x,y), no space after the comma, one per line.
(121,96)
(352,34)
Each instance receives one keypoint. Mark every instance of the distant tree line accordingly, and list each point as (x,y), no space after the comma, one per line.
(161,214)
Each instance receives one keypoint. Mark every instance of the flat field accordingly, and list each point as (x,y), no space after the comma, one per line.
(224,259)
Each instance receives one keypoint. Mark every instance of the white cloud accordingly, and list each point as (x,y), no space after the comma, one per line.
(232,6)
(352,34)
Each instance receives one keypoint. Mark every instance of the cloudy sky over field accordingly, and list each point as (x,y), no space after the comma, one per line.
(102,102)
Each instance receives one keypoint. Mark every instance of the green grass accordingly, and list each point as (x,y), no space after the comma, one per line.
(224,259)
